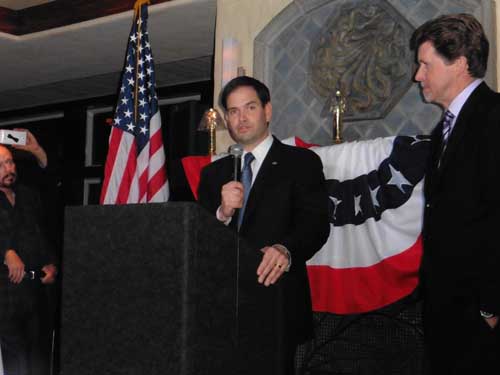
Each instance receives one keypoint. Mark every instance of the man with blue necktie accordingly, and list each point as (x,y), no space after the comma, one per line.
(460,270)
(280,206)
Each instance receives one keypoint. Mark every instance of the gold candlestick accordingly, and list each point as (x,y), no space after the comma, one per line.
(211,121)
(338,108)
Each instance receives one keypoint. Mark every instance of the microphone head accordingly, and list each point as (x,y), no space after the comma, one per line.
(236,150)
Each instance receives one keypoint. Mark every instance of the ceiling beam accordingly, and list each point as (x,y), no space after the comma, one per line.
(60,13)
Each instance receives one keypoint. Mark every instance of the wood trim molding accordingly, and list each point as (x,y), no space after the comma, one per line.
(60,13)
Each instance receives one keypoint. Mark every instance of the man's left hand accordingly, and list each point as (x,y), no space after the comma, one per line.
(492,322)
(50,274)
(273,265)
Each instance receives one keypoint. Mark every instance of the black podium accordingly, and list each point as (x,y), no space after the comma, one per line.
(162,289)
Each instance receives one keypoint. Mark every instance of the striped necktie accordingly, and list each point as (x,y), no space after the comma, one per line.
(246,180)
(447,122)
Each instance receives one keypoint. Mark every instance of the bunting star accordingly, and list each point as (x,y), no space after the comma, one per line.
(398,179)
(418,140)
(336,203)
(373,194)
(357,205)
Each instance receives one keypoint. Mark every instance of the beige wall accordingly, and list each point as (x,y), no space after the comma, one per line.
(244,19)
(497,31)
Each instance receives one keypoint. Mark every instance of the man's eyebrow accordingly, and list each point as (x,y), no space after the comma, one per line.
(247,103)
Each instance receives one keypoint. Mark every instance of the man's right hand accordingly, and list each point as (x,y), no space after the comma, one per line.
(231,198)
(15,266)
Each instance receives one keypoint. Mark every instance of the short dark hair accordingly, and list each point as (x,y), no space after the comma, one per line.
(456,35)
(261,89)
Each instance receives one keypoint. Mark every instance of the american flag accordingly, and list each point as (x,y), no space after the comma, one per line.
(135,166)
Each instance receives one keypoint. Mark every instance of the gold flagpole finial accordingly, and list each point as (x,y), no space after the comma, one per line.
(138,4)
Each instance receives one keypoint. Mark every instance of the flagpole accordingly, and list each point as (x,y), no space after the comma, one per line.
(138,4)
(137,16)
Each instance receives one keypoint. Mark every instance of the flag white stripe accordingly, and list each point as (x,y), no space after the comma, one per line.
(371,242)
(368,244)
(349,160)
(119,167)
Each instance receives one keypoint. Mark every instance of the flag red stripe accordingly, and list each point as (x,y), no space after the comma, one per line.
(155,142)
(156,182)
(114,144)
(358,290)
(192,168)
(300,143)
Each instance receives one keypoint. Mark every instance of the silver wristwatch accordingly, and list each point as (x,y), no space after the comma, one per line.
(486,315)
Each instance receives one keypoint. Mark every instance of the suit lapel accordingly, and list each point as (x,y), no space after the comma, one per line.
(461,125)
(436,146)
(267,174)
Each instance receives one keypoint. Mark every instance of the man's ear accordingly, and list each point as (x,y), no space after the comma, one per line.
(268,111)
(462,65)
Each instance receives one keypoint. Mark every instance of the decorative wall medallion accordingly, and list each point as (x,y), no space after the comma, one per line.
(363,52)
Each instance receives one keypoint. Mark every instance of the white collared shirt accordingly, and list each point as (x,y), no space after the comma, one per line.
(260,153)
(459,101)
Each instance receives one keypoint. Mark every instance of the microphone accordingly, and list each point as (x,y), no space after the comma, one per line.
(34,274)
(236,151)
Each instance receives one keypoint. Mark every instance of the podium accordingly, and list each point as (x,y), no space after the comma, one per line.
(163,289)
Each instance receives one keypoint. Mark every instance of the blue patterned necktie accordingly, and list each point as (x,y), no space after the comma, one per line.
(246,180)
(447,121)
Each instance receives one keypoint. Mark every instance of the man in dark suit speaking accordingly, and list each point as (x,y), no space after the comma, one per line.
(282,212)
(460,270)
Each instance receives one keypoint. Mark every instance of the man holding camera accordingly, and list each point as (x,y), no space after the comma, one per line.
(29,264)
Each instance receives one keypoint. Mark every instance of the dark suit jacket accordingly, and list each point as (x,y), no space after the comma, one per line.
(460,271)
(288,205)
(22,229)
